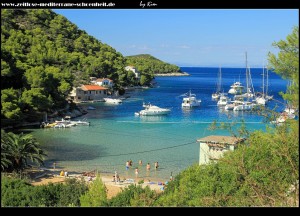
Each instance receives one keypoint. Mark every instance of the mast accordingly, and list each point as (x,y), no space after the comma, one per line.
(263,85)
(219,81)
(247,78)
(267,85)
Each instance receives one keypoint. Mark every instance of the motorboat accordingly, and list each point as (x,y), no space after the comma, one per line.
(236,88)
(91,108)
(224,100)
(112,100)
(190,100)
(151,110)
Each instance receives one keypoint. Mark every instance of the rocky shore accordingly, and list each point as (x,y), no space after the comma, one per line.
(173,74)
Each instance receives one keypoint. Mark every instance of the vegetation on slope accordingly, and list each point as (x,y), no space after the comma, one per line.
(148,64)
(43,56)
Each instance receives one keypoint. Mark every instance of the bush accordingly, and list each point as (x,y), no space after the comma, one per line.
(134,196)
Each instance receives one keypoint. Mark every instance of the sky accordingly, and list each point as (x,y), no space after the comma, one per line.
(189,37)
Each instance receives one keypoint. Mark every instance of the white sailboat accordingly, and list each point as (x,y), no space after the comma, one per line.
(217,94)
(246,105)
(264,98)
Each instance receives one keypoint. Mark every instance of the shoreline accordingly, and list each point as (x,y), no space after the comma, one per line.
(173,74)
(113,188)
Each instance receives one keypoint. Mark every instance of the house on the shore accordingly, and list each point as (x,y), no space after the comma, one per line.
(212,148)
(86,93)
(135,71)
(105,82)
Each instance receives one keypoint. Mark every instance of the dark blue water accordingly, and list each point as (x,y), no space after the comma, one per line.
(117,135)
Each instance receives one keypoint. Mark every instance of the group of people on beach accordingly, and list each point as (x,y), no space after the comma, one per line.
(148,166)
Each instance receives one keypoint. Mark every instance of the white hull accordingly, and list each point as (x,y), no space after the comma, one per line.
(215,96)
(151,110)
(261,101)
(223,101)
(229,107)
(153,113)
(244,107)
(193,104)
(112,100)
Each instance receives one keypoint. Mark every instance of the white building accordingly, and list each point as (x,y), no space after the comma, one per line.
(105,82)
(213,147)
(135,71)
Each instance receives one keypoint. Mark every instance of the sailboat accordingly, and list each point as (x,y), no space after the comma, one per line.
(217,94)
(289,109)
(264,98)
(268,97)
(246,105)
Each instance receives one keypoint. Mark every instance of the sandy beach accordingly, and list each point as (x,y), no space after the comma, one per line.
(113,188)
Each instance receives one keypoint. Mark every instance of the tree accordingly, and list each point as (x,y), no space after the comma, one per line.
(5,162)
(10,104)
(19,148)
(286,64)
(96,195)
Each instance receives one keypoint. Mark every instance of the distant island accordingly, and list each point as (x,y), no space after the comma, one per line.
(148,64)
(173,74)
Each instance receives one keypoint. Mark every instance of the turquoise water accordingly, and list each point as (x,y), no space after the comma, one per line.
(117,135)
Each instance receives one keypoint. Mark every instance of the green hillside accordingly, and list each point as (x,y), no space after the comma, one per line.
(43,55)
(151,65)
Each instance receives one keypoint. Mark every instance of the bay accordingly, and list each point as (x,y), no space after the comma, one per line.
(117,135)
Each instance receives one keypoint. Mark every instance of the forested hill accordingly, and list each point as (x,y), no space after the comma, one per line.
(149,64)
(43,55)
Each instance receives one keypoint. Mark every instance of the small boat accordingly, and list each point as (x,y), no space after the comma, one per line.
(112,100)
(283,117)
(91,108)
(190,101)
(151,110)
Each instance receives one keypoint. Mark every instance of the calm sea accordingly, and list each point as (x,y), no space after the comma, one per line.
(117,135)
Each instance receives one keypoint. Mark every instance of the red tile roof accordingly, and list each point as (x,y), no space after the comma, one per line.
(92,88)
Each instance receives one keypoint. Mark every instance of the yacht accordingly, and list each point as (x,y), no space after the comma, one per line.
(190,100)
(236,88)
(151,110)
(224,100)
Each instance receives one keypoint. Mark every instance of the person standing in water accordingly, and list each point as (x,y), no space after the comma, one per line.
(127,165)
(136,172)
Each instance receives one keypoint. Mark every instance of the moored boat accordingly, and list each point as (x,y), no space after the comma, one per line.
(190,101)
(151,110)
(112,100)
